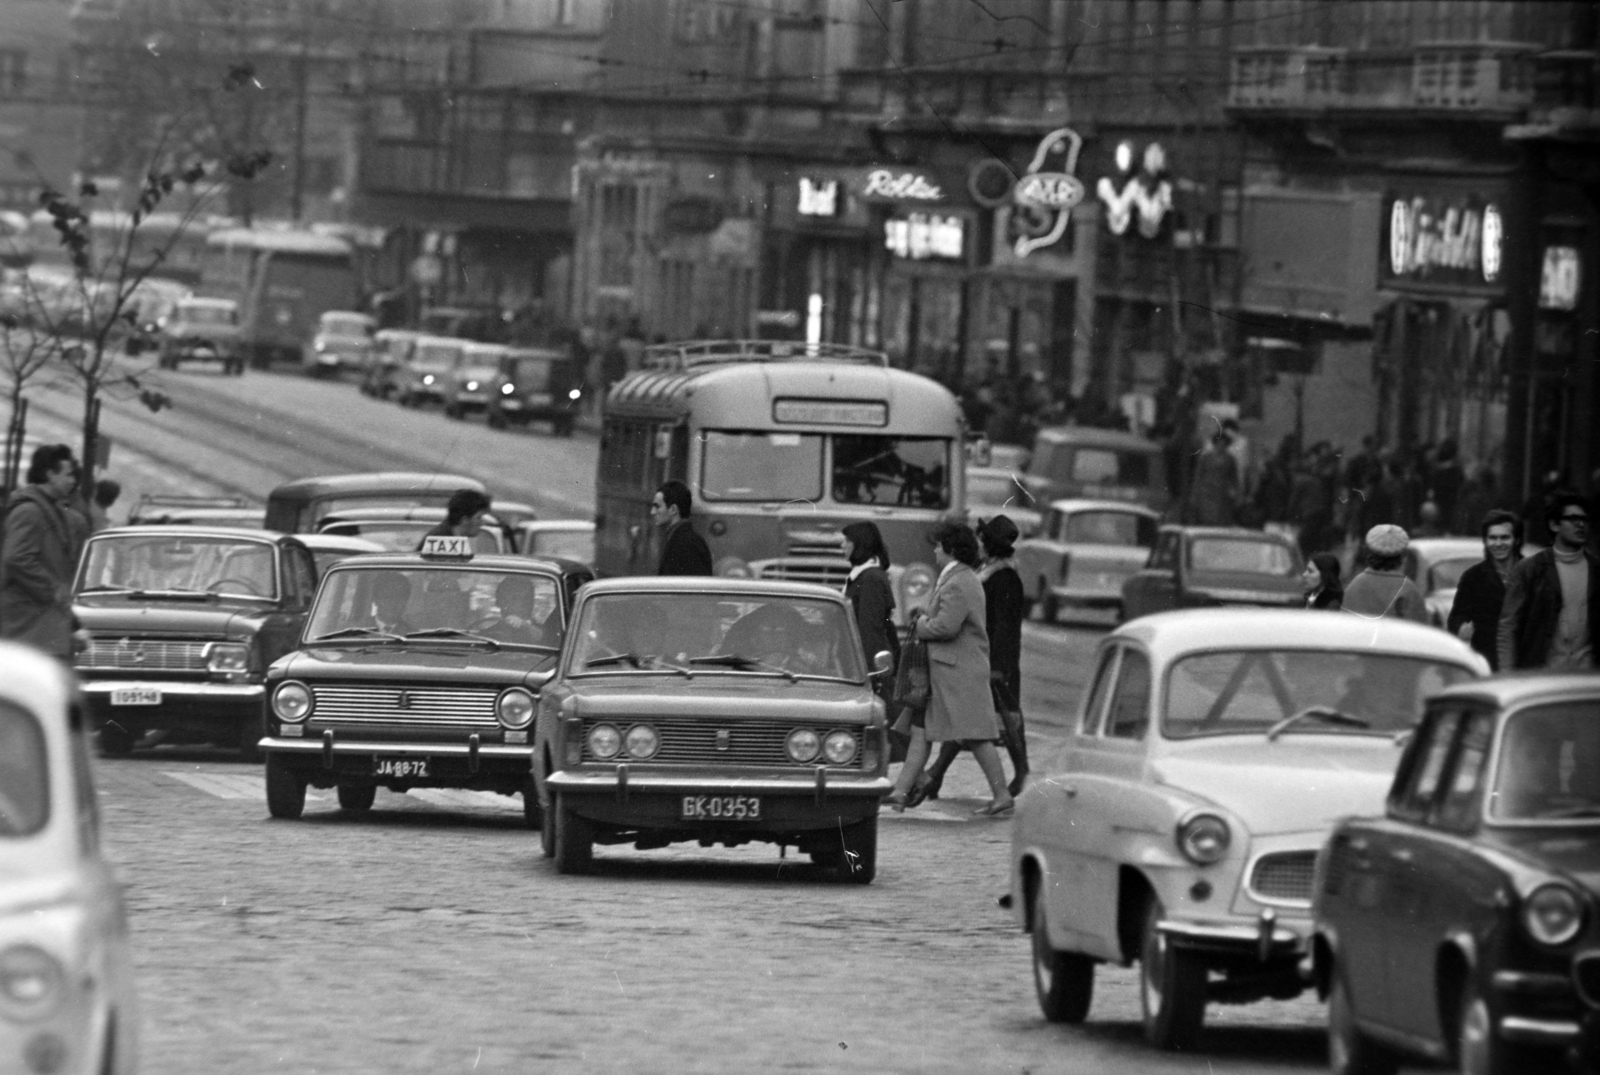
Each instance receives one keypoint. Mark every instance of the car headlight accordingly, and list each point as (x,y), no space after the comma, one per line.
(1204,839)
(732,567)
(839,747)
(292,701)
(574,393)
(507,389)
(604,741)
(514,708)
(320,345)
(642,741)
(427,378)
(227,657)
(1552,914)
(32,983)
(472,386)
(803,744)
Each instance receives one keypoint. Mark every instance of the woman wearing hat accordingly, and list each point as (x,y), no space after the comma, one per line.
(1383,589)
(1005,609)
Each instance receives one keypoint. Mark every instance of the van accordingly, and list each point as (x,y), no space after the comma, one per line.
(1106,464)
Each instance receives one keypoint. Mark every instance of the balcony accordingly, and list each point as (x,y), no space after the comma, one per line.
(1491,78)
(988,98)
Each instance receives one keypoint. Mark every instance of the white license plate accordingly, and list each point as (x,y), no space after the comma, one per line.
(402,768)
(135,696)
(721,807)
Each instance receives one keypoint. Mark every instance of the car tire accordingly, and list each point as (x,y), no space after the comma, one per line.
(1063,981)
(117,741)
(547,831)
(532,812)
(494,420)
(574,839)
(248,742)
(1172,988)
(357,798)
(1479,1050)
(1351,1052)
(286,792)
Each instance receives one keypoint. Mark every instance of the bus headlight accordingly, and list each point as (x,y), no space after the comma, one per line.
(916,586)
(732,567)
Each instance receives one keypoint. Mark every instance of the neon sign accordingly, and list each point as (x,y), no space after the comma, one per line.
(920,236)
(1145,195)
(819,197)
(1438,241)
(884,185)
(1041,199)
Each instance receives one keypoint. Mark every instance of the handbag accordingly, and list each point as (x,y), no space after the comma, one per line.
(911,686)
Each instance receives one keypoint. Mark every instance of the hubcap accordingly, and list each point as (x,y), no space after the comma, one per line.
(1041,958)
(1475,1032)
(1155,957)
(1338,1028)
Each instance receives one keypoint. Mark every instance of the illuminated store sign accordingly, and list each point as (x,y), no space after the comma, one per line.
(1558,278)
(1145,195)
(819,197)
(891,185)
(1440,240)
(920,236)
(1041,199)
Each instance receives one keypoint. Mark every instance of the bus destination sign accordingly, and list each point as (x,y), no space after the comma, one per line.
(832,412)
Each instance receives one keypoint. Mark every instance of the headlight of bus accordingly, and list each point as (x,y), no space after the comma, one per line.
(292,701)
(732,567)
(916,586)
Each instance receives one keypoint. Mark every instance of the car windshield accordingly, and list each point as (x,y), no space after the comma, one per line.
(346,325)
(434,358)
(405,535)
(760,466)
(506,607)
(208,315)
(24,774)
(1107,528)
(1240,555)
(568,544)
(162,562)
(1233,692)
(1098,466)
(1446,574)
(1000,489)
(531,374)
(912,472)
(716,634)
(1548,766)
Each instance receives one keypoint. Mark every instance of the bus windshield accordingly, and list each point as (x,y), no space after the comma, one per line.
(761,466)
(911,472)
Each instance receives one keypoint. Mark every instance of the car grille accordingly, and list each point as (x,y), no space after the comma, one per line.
(693,741)
(1586,976)
(826,572)
(456,707)
(143,655)
(1283,875)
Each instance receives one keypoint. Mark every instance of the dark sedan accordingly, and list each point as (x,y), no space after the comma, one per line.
(183,622)
(1464,925)
(1197,566)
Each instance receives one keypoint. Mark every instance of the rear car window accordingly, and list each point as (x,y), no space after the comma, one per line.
(1103,466)
(1108,528)
(1238,554)
(24,773)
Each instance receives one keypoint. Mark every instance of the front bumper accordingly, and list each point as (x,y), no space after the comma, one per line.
(327,759)
(183,703)
(1541,1008)
(658,800)
(1265,939)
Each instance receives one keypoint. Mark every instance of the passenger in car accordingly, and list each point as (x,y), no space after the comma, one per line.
(515,620)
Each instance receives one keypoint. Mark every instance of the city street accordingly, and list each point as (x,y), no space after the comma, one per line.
(431,935)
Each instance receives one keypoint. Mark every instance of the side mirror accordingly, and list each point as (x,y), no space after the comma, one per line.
(882,663)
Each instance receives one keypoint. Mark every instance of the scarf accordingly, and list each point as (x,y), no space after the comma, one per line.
(994,566)
(855,572)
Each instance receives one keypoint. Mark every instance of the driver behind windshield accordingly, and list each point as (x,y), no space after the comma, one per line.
(391,593)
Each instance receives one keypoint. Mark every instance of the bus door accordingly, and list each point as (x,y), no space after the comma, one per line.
(636,456)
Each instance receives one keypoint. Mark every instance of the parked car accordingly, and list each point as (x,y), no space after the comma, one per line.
(415,671)
(468,389)
(513,513)
(342,341)
(183,622)
(537,384)
(402,529)
(1436,566)
(486,324)
(1212,753)
(1464,923)
(1196,566)
(572,539)
(1106,464)
(159,509)
(729,712)
(1084,553)
(67,999)
(433,361)
(329,549)
(999,491)
(391,350)
(202,330)
(298,506)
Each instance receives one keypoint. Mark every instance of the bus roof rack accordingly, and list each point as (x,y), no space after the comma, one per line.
(163,500)
(688,354)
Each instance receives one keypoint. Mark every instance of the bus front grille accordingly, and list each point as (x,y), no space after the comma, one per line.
(828,572)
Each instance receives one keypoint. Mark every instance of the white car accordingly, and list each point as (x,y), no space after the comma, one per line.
(66,977)
(1436,566)
(999,491)
(1083,553)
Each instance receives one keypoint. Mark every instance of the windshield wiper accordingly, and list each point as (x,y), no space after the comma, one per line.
(452,632)
(641,661)
(203,595)
(1316,712)
(742,663)
(106,589)
(359,632)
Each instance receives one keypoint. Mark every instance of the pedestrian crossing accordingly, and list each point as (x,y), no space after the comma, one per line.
(250,787)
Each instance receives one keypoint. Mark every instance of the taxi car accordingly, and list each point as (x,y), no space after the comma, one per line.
(569,538)
(468,389)
(718,710)
(297,506)
(536,384)
(342,341)
(67,1002)
(1436,565)
(183,622)
(1083,553)
(417,671)
(402,529)
(1212,754)
(1198,566)
(1464,923)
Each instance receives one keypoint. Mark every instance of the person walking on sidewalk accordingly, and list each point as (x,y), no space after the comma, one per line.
(683,552)
(1383,590)
(1004,604)
(1481,593)
(1548,619)
(43,535)
(960,707)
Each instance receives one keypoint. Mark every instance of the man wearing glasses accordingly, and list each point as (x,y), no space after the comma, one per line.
(1551,596)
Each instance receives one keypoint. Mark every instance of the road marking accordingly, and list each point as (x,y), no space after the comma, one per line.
(251,788)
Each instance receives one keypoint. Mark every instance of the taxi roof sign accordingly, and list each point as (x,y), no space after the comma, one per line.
(447,547)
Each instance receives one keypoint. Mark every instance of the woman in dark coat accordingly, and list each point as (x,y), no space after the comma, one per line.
(1321,582)
(1475,615)
(869,593)
(1004,612)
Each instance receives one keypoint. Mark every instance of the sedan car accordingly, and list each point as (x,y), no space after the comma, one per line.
(67,1002)
(427,371)
(1198,566)
(997,491)
(1436,566)
(1084,553)
(716,710)
(417,671)
(164,510)
(343,341)
(569,538)
(469,388)
(537,384)
(183,622)
(329,549)
(201,329)
(1212,754)
(1464,923)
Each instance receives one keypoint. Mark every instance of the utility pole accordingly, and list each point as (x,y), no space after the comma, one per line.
(302,78)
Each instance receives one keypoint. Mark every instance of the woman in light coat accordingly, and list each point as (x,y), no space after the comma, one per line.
(960,706)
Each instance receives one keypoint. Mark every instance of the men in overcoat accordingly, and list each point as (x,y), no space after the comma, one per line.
(683,552)
(40,543)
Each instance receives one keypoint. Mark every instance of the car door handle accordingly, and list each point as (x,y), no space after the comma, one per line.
(1358,843)
(1401,854)
(1069,791)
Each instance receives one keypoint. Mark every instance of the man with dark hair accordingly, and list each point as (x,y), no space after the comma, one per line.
(463,515)
(43,535)
(1481,593)
(1548,617)
(683,552)
(106,492)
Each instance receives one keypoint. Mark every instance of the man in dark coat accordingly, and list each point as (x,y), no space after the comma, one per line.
(463,516)
(1548,620)
(683,552)
(43,536)
(1475,614)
